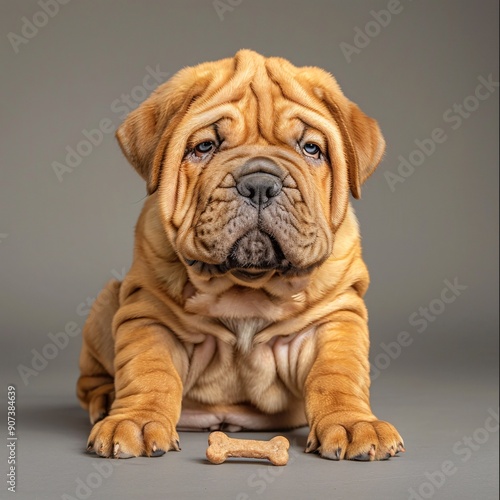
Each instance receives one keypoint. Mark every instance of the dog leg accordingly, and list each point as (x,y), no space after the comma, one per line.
(147,406)
(337,396)
(95,387)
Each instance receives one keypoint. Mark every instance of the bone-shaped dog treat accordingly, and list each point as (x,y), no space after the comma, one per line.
(221,447)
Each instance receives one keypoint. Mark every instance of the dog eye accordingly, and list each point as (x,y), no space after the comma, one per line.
(203,148)
(312,150)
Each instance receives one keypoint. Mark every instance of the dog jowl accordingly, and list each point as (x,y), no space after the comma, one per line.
(243,308)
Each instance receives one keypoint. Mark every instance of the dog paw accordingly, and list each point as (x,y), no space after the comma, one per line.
(122,437)
(361,440)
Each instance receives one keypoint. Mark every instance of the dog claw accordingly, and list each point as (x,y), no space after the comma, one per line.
(335,455)
(310,449)
(157,452)
(117,453)
(367,456)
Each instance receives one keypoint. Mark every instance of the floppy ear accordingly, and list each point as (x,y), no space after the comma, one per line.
(142,136)
(138,137)
(369,147)
(363,140)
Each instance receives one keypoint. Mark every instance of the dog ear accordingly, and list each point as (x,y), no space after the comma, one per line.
(142,135)
(138,137)
(365,144)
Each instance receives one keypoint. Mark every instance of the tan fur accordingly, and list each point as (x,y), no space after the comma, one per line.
(277,351)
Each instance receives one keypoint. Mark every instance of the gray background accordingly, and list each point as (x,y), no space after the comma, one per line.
(60,241)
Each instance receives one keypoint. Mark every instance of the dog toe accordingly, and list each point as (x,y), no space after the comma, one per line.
(120,437)
(362,441)
(158,439)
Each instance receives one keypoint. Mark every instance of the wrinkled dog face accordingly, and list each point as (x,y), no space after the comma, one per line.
(253,160)
(258,207)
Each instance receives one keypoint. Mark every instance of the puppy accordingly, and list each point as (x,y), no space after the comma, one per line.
(243,308)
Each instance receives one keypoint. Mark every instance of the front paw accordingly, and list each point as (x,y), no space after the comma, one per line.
(359,439)
(133,434)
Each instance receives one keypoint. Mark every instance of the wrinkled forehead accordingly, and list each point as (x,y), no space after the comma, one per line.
(263,95)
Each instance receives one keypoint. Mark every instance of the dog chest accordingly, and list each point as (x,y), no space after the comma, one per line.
(268,375)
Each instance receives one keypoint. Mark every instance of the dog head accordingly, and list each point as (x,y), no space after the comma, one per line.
(252,161)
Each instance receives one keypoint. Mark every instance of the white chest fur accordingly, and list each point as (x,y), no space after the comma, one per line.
(245,330)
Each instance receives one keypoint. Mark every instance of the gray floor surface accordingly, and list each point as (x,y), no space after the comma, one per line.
(449,422)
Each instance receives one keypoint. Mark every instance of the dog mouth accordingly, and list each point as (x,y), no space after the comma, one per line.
(248,275)
(253,256)
(256,252)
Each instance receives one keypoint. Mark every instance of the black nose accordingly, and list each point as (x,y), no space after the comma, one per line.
(259,188)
